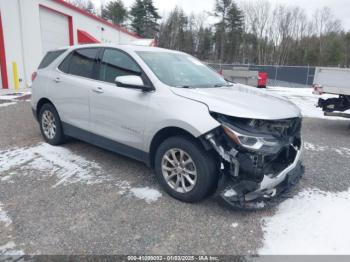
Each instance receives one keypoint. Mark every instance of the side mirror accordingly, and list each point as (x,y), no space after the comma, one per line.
(131,81)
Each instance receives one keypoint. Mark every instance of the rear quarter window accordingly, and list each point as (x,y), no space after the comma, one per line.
(50,57)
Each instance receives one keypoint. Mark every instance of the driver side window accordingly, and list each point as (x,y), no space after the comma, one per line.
(116,63)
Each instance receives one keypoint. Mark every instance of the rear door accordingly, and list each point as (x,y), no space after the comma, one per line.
(118,113)
(72,83)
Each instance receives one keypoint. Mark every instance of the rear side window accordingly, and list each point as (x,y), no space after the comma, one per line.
(50,57)
(80,63)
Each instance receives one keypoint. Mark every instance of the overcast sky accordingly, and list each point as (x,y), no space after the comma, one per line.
(341,8)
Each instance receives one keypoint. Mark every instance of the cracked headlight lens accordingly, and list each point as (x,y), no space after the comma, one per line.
(248,141)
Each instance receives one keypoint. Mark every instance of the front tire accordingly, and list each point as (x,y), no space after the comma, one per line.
(185,170)
(50,125)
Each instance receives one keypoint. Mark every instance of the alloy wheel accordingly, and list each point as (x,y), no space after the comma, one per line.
(179,170)
(48,124)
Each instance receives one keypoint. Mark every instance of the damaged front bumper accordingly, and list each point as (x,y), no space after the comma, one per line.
(250,179)
(269,183)
(272,186)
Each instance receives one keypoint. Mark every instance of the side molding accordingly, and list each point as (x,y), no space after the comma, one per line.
(106,143)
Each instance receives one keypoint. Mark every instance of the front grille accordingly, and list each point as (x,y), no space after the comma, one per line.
(285,128)
(278,128)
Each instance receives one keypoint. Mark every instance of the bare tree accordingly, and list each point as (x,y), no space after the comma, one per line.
(324,24)
(272,34)
(86,5)
(257,17)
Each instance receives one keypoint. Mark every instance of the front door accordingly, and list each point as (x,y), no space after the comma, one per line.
(118,113)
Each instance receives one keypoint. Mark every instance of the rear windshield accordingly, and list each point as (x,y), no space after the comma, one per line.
(50,57)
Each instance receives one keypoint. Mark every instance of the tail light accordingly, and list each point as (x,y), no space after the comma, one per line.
(34,75)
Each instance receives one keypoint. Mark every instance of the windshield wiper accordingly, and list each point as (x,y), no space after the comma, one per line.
(207,86)
(221,85)
(185,86)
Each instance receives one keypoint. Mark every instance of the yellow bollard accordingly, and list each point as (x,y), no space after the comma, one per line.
(15,75)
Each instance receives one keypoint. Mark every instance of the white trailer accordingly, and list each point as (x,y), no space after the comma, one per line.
(335,81)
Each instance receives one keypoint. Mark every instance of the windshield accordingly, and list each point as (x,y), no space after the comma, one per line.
(181,70)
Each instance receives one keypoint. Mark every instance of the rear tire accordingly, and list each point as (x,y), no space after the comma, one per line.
(50,125)
(185,170)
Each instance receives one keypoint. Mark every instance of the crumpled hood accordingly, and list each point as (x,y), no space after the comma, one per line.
(242,101)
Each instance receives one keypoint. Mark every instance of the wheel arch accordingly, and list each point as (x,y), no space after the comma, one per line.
(40,104)
(165,133)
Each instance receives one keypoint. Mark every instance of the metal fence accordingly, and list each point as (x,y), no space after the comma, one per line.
(288,76)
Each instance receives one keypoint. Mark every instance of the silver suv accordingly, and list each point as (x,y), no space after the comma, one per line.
(165,108)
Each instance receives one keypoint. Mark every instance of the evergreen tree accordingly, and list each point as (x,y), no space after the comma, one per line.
(204,48)
(172,33)
(115,11)
(334,52)
(144,18)
(235,30)
(347,49)
(137,14)
(221,11)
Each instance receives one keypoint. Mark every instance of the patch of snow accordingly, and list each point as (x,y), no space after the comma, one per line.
(123,186)
(312,223)
(46,160)
(6,178)
(315,148)
(14,96)
(260,205)
(67,166)
(4,218)
(148,194)
(7,104)
(343,151)
(9,249)
(10,96)
(234,225)
(304,99)
(230,193)
(143,42)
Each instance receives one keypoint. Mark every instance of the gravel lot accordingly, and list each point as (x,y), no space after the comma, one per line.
(79,199)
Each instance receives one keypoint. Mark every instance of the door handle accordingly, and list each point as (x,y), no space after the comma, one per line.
(57,80)
(98,90)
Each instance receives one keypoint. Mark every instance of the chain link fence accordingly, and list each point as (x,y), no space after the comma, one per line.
(286,76)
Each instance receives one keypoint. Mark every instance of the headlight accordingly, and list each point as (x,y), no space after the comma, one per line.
(248,141)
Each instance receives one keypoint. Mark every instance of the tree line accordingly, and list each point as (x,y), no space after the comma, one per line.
(142,18)
(252,32)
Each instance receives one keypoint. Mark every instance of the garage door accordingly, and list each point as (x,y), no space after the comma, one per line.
(54,30)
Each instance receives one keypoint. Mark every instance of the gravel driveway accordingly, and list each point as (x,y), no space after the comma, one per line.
(79,199)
